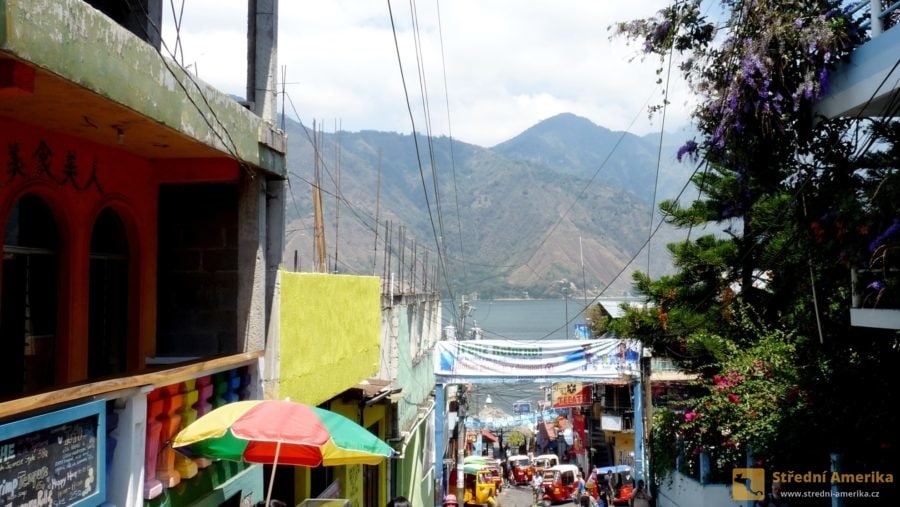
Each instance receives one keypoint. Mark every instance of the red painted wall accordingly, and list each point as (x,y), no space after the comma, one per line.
(78,180)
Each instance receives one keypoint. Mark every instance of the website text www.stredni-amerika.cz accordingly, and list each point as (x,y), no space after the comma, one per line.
(858,493)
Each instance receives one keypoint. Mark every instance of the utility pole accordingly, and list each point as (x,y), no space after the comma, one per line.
(317,208)
(567,312)
(464,310)
(583,278)
(461,442)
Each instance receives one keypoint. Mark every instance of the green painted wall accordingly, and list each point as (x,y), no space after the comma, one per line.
(414,473)
(214,485)
(75,41)
(418,328)
(415,367)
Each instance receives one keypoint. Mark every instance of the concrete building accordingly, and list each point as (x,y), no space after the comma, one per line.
(142,217)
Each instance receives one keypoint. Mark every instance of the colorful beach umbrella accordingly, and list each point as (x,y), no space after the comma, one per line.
(281,432)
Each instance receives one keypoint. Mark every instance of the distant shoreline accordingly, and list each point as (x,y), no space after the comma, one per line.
(573,299)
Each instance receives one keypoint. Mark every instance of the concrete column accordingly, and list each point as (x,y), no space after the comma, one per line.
(877,26)
(262,57)
(637,388)
(705,469)
(440,421)
(251,318)
(126,487)
(274,246)
(836,500)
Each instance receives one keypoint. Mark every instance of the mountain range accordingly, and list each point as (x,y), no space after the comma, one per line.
(563,207)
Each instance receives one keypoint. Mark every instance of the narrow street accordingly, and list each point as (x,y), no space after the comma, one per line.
(520,496)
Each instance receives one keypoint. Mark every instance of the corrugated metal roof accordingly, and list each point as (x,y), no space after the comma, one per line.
(614,306)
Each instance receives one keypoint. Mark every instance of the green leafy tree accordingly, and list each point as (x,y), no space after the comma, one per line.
(746,404)
(515,439)
(801,202)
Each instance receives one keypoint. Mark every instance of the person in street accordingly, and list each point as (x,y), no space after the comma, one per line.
(580,488)
(773,498)
(640,497)
(537,483)
(610,484)
(603,499)
(450,501)
(593,479)
(399,501)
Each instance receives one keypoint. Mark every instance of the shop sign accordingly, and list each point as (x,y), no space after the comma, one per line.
(56,459)
(571,394)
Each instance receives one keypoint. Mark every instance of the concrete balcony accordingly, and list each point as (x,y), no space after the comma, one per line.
(875,302)
(863,86)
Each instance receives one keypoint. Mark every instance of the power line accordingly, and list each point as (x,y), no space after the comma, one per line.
(462,248)
(418,154)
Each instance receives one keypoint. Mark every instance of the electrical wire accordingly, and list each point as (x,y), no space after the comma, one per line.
(662,131)
(462,248)
(434,228)
(224,136)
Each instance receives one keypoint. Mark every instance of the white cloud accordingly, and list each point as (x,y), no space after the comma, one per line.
(507,64)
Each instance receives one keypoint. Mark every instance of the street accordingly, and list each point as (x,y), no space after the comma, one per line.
(520,496)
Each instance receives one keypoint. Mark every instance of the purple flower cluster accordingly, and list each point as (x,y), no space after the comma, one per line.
(876,285)
(889,234)
(662,31)
(690,149)
(777,59)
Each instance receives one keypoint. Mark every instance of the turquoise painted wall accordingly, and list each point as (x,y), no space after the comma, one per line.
(416,370)
(419,327)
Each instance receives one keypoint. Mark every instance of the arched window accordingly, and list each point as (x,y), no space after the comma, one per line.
(28,303)
(108,324)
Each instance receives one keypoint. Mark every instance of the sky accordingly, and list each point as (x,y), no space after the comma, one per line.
(487,69)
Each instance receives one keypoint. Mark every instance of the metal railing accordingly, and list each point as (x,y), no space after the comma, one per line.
(881,15)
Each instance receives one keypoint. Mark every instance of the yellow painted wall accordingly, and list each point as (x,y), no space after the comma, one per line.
(352,483)
(351,476)
(330,334)
(624,444)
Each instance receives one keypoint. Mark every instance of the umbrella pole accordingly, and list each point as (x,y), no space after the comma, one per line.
(272,474)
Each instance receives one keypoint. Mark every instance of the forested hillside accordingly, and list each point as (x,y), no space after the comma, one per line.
(518,217)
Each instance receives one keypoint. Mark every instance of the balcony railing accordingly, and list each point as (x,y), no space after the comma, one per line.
(881,15)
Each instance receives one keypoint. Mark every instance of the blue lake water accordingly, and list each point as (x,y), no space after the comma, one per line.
(527,319)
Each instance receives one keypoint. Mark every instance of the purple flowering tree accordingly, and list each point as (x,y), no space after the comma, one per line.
(802,200)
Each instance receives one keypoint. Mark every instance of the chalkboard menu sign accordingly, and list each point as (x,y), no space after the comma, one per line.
(57,459)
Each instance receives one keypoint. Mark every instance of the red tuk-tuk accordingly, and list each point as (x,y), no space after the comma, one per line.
(622,479)
(559,483)
(521,468)
(545,461)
